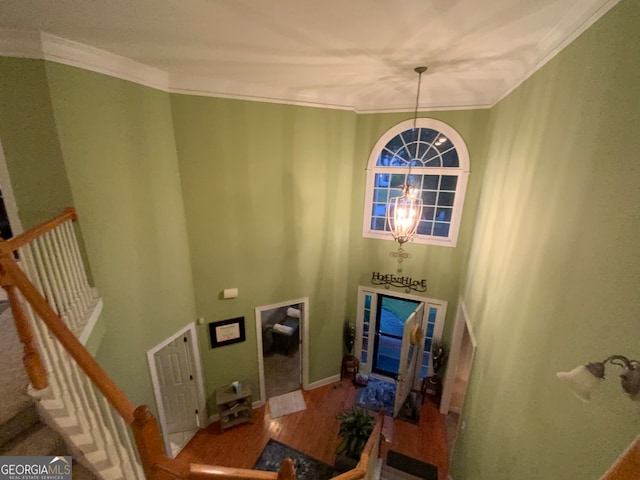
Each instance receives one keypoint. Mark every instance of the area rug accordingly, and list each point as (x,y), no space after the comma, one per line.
(412,466)
(285,404)
(377,395)
(307,468)
(410,411)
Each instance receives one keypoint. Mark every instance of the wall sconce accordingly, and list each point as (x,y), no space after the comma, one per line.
(583,379)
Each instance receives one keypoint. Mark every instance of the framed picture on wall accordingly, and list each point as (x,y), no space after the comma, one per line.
(226,332)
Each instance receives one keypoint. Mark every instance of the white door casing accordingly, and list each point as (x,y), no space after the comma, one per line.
(304,342)
(461,323)
(365,332)
(177,384)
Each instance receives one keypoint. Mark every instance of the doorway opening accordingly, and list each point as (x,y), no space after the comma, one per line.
(463,348)
(176,376)
(395,334)
(282,338)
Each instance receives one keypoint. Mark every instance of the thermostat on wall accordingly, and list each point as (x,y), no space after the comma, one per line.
(230,293)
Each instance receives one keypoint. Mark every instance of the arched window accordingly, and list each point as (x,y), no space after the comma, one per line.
(439,169)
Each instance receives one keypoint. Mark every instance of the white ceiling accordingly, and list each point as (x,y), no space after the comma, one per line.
(357,54)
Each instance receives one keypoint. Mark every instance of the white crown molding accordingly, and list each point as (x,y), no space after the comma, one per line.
(547,44)
(436,108)
(208,87)
(68,52)
(44,46)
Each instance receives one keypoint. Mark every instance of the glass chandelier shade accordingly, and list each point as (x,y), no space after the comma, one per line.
(404,214)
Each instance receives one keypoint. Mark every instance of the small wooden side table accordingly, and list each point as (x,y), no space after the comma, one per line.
(234,407)
(350,364)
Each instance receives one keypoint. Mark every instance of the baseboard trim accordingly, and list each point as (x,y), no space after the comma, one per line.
(321,383)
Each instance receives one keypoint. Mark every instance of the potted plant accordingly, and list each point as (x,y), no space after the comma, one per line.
(356,426)
(349,335)
(433,387)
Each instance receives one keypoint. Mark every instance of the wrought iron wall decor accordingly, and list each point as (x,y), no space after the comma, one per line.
(391,280)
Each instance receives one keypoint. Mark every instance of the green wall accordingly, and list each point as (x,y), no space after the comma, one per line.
(180,197)
(267,191)
(440,266)
(30,143)
(552,279)
(119,153)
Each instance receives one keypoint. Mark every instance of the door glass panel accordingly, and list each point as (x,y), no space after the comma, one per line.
(365,329)
(391,316)
(428,341)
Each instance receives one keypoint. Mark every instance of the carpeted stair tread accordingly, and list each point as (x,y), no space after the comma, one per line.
(390,473)
(21,421)
(36,440)
(412,466)
(81,473)
(13,377)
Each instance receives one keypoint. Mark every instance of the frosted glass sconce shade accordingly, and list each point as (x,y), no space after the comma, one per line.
(583,379)
(580,381)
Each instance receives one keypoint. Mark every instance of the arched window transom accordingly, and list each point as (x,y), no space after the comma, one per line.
(439,163)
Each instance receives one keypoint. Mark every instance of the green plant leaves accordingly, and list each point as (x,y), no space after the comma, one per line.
(356,426)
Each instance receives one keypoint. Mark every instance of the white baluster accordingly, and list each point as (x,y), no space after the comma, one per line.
(108,417)
(54,279)
(48,290)
(73,290)
(108,444)
(125,435)
(63,237)
(78,259)
(75,315)
(72,319)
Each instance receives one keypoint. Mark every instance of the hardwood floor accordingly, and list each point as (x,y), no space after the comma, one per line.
(314,431)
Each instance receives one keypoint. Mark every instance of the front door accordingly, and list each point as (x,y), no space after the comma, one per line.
(370,315)
(411,341)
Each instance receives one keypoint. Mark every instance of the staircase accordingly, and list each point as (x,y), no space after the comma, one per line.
(390,473)
(21,430)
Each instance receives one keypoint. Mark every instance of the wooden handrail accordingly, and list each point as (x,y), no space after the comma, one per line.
(31,358)
(18,241)
(199,472)
(68,340)
(627,466)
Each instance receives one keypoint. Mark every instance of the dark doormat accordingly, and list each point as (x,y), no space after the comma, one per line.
(307,468)
(412,466)
(410,410)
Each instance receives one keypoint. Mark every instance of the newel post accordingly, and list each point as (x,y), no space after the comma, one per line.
(31,358)
(287,470)
(148,440)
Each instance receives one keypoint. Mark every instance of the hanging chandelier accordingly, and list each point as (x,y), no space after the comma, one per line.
(404,212)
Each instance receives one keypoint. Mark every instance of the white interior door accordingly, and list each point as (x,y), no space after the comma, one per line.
(177,385)
(408,358)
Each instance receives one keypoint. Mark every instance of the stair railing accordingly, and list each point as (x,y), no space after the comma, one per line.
(73,392)
(51,258)
(50,304)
